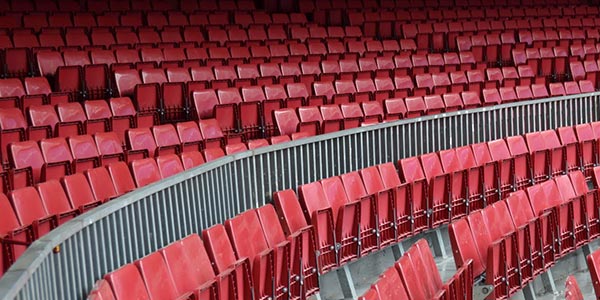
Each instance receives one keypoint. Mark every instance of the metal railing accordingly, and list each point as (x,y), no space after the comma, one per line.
(65,263)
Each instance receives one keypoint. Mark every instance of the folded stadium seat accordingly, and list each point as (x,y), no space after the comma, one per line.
(99,117)
(44,123)
(571,88)
(310,72)
(411,175)
(476,80)
(247,74)
(403,86)
(125,116)
(224,77)
(494,78)
(270,274)
(527,76)
(30,209)
(539,91)
(95,81)
(356,48)
(172,36)
(324,93)
(353,115)
(349,68)
(190,251)
(420,64)
(452,102)
(13,128)
(39,91)
(435,62)
(385,65)
(73,120)
(191,159)
(572,290)
(310,119)
(190,136)
(102,38)
(213,153)
(178,75)
(441,83)
(110,147)
(127,282)
(415,106)
(470,99)
(288,123)
(140,144)
(568,141)
(275,95)
(222,254)
(330,71)
(227,112)
(239,55)
(507,94)
(213,136)
(84,152)
(395,109)
(585,136)
(11,92)
(101,184)
(145,171)
(557,89)
(57,157)
(126,82)
(166,139)
(326,201)
(126,38)
(48,62)
(150,58)
(202,78)
(586,86)
(373,113)
(169,165)
(217,56)
(297,93)
(365,90)
(424,85)
(55,201)
(148,37)
(459,81)
(434,104)
(290,72)
(591,71)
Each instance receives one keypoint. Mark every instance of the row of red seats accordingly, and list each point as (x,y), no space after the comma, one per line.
(30,212)
(148,37)
(136,18)
(450,184)
(422,7)
(248,257)
(529,229)
(295,224)
(27,6)
(32,161)
(334,117)
(415,276)
(473,13)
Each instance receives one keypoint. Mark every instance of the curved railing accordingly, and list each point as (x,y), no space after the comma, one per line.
(65,263)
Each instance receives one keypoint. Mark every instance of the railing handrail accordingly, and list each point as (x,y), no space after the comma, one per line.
(27,266)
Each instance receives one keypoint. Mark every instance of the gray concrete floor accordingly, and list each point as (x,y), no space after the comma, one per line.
(366,270)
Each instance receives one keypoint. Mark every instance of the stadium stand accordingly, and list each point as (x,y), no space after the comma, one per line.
(99,98)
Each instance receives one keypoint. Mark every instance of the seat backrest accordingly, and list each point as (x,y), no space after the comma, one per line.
(188,263)
(289,209)
(157,276)
(121,177)
(27,205)
(312,197)
(210,129)
(141,139)
(127,283)
(11,87)
(12,118)
(410,169)
(287,120)
(246,235)
(53,197)
(101,183)
(78,190)
(593,263)
(42,115)
(169,165)
(145,171)
(219,247)
(165,135)
(388,286)
(26,154)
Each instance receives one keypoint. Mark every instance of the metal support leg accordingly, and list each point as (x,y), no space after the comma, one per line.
(586,250)
(437,241)
(398,251)
(548,282)
(529,292)
(346,282)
